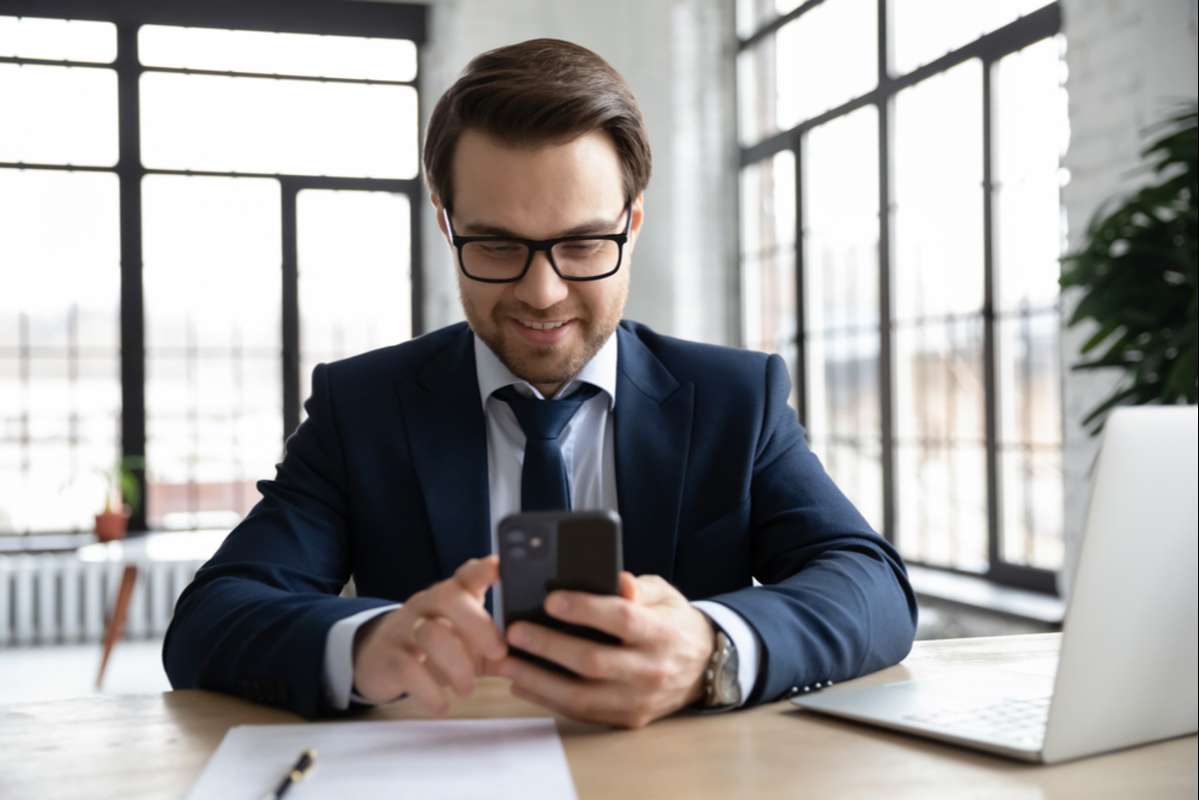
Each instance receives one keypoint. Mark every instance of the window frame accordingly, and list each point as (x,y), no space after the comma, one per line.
(989,49)
(378,20)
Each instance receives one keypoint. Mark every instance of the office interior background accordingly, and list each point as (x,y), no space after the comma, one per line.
(201,201)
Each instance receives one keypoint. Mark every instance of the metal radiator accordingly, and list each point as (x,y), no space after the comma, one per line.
(58,599)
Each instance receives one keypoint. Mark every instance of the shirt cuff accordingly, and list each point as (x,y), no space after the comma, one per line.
(339,657)
(749,650)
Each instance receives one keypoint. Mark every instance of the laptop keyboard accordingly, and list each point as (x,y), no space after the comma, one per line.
(1020,722)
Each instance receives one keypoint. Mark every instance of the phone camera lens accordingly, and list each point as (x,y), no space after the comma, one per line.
(516,536)
(517,553)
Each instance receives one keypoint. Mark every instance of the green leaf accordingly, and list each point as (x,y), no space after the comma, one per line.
(1137,274)
(1183,382)
(1107,405)
(1100,335)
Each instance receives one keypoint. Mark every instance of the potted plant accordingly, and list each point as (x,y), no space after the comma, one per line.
(122,498)
(1139,275)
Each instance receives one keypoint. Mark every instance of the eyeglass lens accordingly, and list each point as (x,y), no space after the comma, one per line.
(578,258)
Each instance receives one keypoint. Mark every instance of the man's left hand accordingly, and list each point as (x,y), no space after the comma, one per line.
(656,671)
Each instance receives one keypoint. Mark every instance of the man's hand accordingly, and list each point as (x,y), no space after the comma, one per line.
(440,639)
(658,669)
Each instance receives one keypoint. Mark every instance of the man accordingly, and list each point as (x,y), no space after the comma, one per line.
(537,159)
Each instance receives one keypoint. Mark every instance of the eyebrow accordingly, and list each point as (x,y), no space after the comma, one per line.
(594,226)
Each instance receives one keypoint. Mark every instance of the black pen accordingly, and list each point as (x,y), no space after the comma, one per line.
(303,766)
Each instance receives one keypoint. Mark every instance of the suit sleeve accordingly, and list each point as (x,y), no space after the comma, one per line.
(254,621)
(835,601)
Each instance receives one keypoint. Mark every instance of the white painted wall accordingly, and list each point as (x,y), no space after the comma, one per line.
(678,56)
(1131,63)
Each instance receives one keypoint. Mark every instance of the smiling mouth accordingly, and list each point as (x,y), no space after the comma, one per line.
(542,326)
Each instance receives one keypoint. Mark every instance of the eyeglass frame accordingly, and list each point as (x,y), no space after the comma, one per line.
(546,246)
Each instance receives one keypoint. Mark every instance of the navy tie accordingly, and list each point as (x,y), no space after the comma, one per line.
(544,485)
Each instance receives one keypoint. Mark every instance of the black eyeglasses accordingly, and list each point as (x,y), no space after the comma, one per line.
(506,259)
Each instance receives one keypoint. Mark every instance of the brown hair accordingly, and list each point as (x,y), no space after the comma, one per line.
(539,91)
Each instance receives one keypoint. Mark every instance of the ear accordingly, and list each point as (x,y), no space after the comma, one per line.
(439,212)
(636,217)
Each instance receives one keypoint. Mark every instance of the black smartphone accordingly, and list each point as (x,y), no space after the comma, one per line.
(543,551)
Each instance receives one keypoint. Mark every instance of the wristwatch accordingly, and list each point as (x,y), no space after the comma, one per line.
(721,687)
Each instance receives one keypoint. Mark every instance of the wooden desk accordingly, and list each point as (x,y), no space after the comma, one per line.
(156,745)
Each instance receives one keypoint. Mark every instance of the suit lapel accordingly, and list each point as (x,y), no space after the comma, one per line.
(446,430)
(653,437)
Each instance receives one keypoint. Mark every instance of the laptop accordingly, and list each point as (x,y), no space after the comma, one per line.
(1128,666)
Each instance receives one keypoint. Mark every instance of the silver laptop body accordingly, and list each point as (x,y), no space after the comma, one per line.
(1128,668)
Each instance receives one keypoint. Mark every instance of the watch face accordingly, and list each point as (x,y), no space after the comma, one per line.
(726,688)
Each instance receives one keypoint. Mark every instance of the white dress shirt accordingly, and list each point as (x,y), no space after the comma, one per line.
(589,454)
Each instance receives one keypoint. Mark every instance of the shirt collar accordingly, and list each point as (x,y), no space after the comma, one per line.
(600,371)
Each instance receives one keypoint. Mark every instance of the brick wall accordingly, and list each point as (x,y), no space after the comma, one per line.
(1131,63)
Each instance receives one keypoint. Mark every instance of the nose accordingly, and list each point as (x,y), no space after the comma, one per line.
(541,287)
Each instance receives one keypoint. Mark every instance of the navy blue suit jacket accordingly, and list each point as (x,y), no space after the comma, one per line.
(387,480)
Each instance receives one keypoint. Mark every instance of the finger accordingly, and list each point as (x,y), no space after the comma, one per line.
(439,641)
(440,677)
(588,701)
(617,616)
(586,658)
(478,574)
(421,686)
(473,623)
(451,600)
(473,577)
(491,668)
(655,590)
(627,586)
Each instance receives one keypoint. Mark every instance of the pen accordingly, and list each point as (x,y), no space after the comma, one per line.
(303,766)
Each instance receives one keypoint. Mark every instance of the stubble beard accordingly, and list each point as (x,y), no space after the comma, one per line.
(541,366)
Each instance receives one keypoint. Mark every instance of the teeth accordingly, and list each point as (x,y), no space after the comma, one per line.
(542,326)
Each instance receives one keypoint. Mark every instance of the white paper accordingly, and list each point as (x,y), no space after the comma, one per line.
(484,758)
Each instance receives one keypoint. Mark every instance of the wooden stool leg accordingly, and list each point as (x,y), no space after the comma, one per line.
(116,623)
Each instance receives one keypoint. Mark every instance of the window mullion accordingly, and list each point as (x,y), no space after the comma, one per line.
(990,383)
(886,388)
(290,284)
(801,338)
(133,341)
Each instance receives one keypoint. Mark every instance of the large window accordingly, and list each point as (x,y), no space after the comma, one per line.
(194,211)
(900,236)
(60,262)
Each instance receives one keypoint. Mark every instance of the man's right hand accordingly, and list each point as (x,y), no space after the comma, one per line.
(441,638)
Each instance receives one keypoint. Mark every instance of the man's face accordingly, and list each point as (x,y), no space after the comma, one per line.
(541,192)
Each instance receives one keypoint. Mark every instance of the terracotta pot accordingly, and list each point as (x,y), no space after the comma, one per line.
(111,525)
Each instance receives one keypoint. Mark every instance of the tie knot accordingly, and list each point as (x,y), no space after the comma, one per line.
(544,419)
